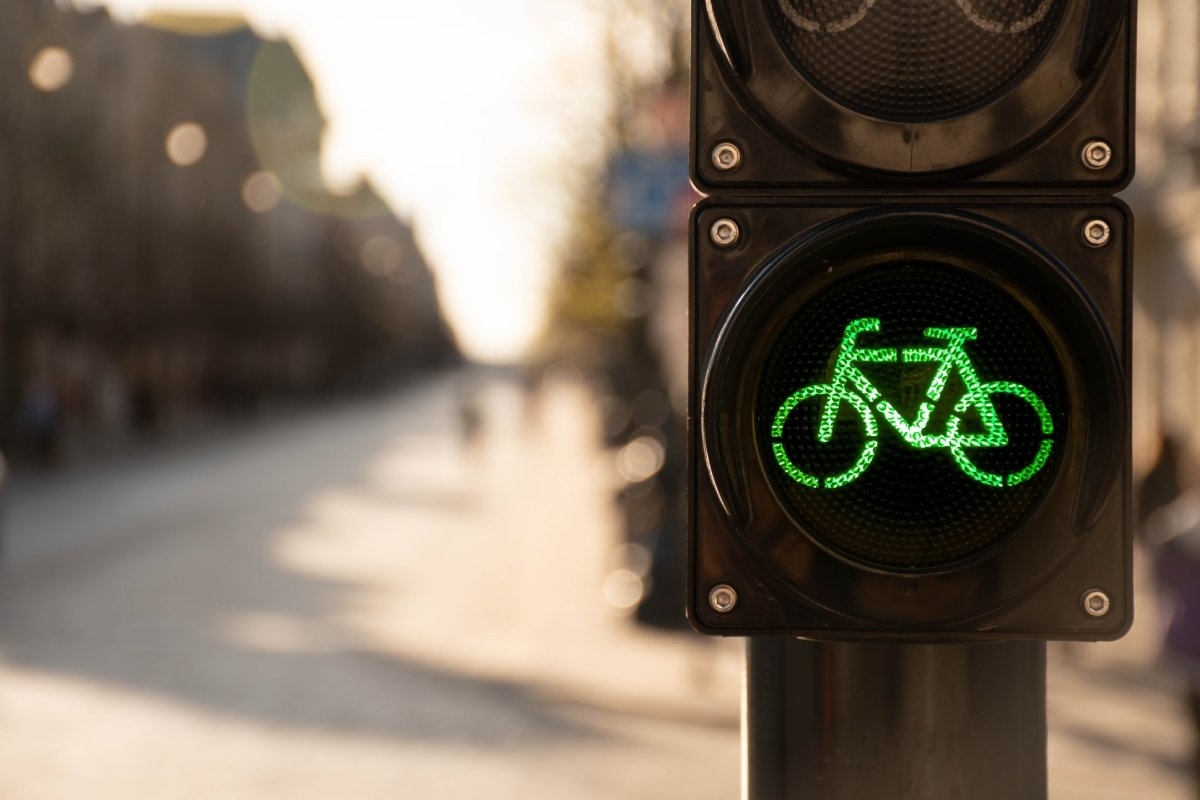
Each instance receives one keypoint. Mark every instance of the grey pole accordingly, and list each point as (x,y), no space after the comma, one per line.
(867,721)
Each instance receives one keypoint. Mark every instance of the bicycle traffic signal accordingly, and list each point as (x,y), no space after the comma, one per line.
(910,319)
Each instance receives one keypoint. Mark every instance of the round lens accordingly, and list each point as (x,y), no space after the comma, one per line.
(911,415)
(914,60)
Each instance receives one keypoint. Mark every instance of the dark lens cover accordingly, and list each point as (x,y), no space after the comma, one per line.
(914,60)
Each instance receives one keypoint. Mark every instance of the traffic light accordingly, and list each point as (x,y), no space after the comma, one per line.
(910,319)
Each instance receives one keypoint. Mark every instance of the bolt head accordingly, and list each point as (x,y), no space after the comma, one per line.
(1096,233)
(722,598)
(725,232)
(1096,603)
(726,156)
(1097,154)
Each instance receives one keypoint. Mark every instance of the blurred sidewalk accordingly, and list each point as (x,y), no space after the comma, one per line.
(1118,727)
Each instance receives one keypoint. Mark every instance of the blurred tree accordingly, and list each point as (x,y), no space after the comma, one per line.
(623,234)
(599,298)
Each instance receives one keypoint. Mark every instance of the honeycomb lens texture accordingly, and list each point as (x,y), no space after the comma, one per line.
(916,506)
(914,60)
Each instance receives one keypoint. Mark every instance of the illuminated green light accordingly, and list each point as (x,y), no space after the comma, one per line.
(1038,462)
(794,472)
(851,385)
(1046,425)
(858,469)
(972,471)
(864,459)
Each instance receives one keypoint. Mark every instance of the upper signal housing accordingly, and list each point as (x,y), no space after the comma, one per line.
(951,93)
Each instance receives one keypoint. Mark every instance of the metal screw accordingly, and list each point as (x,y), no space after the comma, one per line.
(1097,154)
(1096,233)
(1096,603)
(722,598)
(725,232)
(726,156)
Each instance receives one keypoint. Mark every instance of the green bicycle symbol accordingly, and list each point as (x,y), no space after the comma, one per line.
(850,385)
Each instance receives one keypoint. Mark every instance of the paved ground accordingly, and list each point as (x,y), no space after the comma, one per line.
(349,605)
(357,604)
(1117,727)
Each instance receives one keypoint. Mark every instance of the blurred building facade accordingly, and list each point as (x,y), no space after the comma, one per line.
(168,248)
(1165,197)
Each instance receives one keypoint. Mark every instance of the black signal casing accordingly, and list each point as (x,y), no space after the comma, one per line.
(748,91)
(819,169)
(787,581)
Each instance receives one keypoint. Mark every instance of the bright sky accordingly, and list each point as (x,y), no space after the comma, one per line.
(467,114)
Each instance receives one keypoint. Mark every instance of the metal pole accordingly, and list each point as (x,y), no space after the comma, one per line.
(860,721)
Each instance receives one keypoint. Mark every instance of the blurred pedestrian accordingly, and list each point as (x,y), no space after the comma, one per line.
(40,420)
(1162,484)
(470,418)
(1168,516)
(1173,535)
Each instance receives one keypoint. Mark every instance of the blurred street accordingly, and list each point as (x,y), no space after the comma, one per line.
(351,603)
(363,602)
(1118,726)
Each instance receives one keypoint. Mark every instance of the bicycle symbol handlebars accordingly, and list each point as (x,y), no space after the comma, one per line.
(851,386)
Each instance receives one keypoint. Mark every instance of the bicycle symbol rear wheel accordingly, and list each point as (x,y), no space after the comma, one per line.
(833,395)
(960,444)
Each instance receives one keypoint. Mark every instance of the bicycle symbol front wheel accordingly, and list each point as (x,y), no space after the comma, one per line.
(960,444)
(833,395)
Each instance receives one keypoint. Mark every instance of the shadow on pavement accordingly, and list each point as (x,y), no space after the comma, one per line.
(1122,746)
(152,602)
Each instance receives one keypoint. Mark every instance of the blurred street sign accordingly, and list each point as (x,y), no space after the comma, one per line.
(644,188)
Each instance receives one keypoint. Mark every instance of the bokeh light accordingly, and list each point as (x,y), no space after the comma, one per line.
(382,255)
(641,459)
(51,69)
(623,589)
(186,144)
(261,191)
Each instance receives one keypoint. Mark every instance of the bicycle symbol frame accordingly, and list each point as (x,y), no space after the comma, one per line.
(850,385)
